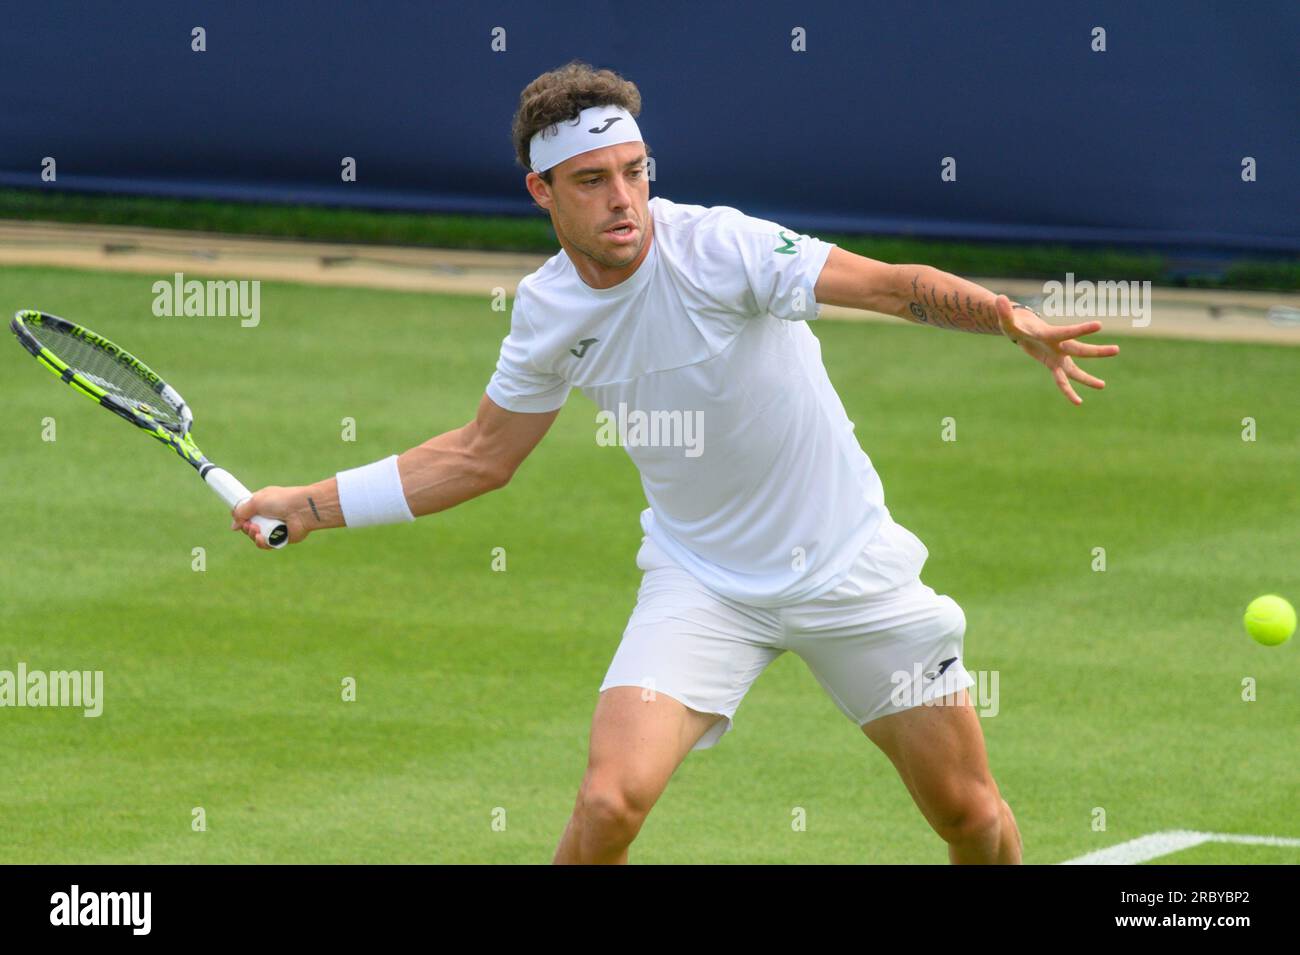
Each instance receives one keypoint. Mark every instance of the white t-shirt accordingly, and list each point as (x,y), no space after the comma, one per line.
(704,371)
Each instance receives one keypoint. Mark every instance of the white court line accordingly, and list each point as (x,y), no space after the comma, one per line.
(1157,844)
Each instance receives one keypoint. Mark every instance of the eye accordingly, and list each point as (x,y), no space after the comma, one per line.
(588,182)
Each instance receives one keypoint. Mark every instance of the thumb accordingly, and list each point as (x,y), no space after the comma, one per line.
(246,509)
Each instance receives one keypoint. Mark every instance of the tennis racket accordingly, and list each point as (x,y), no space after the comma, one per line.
(126,386)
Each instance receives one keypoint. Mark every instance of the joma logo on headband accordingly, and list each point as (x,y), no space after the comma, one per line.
(608,123)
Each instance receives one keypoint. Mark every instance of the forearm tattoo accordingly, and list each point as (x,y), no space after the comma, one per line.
(952,310)
(315,512)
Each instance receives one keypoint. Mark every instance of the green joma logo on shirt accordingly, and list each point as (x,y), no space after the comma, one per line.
(788,248)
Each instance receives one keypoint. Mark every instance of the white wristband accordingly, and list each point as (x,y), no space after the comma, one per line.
(372,494)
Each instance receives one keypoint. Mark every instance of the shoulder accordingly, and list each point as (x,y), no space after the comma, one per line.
(683,221)
(546,292)
(545,276)
(746,263)
(543,317)
(722,234)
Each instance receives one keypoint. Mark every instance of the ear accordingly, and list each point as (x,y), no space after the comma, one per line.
(539,190)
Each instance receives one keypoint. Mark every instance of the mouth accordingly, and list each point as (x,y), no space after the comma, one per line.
(622,231)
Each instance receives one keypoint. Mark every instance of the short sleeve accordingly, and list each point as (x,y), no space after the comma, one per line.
(760,267)
(517,384)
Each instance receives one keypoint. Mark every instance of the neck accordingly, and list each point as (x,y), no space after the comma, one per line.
(602,277)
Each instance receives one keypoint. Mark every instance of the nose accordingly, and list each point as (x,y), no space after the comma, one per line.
(621,198)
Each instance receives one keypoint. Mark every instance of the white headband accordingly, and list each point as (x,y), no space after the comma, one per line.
(594,128)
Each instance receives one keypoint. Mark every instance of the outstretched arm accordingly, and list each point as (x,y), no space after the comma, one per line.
(442,472)
(928,296)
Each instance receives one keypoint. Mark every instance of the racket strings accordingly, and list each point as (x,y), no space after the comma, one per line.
(104,370)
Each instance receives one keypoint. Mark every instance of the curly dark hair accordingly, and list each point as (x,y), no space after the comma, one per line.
(561,95)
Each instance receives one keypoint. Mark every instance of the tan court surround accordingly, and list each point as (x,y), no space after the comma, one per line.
(1176,313)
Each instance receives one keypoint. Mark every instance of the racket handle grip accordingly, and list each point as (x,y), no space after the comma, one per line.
(232,491)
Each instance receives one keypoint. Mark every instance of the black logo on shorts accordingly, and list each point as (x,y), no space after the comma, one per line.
(584,345)
(943,665)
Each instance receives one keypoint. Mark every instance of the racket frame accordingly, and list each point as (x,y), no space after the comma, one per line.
(175,436)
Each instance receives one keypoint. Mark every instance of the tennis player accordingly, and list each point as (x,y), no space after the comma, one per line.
(766,528)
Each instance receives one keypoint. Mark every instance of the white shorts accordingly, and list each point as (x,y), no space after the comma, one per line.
(875,652)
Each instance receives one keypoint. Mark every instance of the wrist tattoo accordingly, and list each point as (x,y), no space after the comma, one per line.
(315,513)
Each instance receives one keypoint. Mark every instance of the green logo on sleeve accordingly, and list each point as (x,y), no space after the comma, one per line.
(788,248)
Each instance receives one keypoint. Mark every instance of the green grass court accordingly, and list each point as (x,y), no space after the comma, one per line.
(1119,690)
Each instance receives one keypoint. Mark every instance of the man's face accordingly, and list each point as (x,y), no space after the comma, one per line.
(593,192)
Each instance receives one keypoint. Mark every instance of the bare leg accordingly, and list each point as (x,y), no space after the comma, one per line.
(939,753)
(636,745)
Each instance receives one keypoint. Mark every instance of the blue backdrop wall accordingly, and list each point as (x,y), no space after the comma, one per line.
(1143,143)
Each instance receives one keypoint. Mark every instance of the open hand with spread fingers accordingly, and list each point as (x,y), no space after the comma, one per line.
(1054,345)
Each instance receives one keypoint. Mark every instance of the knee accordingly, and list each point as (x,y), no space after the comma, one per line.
(969,816)
(611,809)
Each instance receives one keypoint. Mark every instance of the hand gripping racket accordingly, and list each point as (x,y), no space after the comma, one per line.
(123,384)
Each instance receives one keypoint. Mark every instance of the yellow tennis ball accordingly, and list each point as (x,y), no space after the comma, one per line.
(1270,620)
